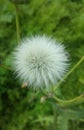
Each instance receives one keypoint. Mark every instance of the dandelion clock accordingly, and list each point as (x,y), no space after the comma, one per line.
(40,61)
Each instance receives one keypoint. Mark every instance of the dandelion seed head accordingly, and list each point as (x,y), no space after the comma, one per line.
(40,61)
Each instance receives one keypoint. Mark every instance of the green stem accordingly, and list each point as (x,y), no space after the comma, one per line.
(72,69)
(17,23)
(63,103)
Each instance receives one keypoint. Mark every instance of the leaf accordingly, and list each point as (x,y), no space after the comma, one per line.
(47,119)
(6,18)
(73,114)
(60,119)
(62,122)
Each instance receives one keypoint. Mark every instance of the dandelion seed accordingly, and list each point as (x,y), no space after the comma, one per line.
(40,61)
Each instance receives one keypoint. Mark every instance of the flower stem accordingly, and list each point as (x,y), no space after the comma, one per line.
(72,69)
(17,23)
(74,101)
(18,33)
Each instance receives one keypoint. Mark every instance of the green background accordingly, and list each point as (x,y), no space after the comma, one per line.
(21,109)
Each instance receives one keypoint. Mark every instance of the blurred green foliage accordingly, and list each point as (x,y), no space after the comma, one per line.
(20,109)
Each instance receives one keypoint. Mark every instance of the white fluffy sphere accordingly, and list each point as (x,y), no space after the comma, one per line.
(40,61)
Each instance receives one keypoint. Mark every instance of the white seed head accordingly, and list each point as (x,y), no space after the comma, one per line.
(40,61)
